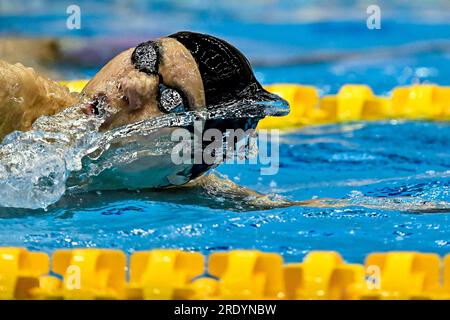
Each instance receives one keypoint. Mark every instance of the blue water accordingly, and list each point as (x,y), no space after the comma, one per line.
(382,160)
(378,160)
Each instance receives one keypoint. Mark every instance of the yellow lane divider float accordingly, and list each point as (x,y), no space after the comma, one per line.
(357,102)
(75,85)
(240,274)
(352,103)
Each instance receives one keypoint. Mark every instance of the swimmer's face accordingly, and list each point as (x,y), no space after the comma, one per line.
(150,80)
(182,72)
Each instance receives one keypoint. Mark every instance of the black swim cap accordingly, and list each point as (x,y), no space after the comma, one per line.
(226,72)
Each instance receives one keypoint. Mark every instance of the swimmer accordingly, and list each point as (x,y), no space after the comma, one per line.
(183,72)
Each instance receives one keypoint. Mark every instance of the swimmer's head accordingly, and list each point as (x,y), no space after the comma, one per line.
(183,72)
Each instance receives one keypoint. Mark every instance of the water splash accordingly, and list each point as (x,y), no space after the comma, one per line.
(68,151)
(36,164)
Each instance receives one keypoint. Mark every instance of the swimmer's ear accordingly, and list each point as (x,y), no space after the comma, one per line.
(145,57)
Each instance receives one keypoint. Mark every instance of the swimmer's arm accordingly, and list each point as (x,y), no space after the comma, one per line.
(226,194)
(229,195)
(25,96)
(239,198)
(216,192)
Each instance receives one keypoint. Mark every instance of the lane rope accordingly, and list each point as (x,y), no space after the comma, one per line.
(239,274)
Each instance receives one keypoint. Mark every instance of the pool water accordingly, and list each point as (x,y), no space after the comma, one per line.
(381,160)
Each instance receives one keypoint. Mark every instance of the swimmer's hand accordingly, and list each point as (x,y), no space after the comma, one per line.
(403,204)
